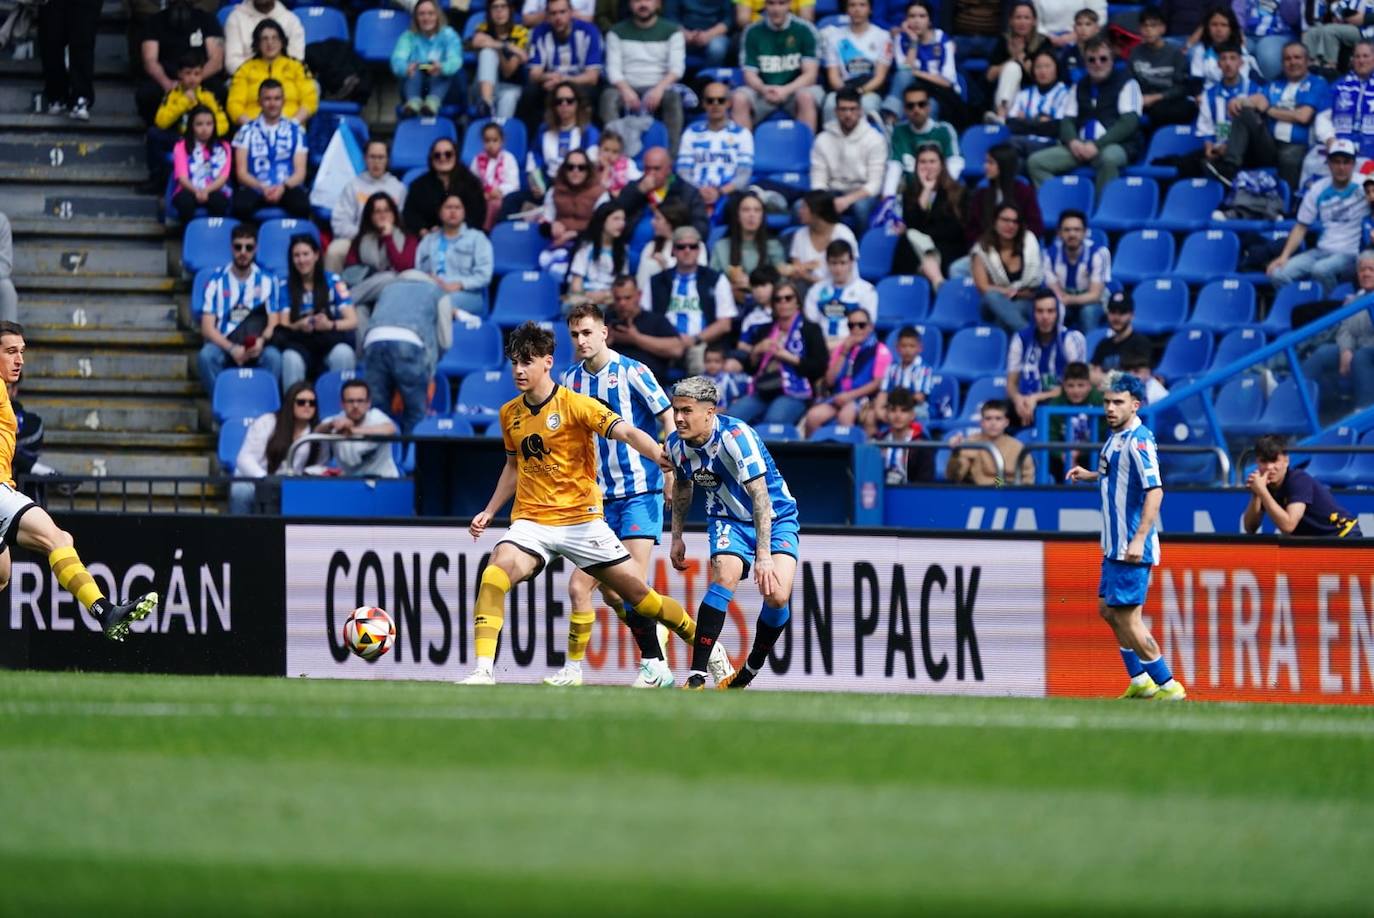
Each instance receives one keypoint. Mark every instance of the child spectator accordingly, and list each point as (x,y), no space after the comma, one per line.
(901,466)
(1086,26)
(729,386)
(616,169)
(976,466)
(908,372)
(857,366)
(829,304)
(497,170)
(171,122)
(426,58)
(200,167)
(1074,428)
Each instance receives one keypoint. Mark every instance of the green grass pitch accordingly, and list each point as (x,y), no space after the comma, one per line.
(155,795)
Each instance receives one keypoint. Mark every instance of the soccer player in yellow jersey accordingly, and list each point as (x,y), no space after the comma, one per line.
(27,524)
(551,461)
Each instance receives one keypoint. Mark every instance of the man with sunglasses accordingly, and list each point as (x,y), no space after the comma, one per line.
(1101,122)
(917,131)
(696,300)
(717,155)
(238,314)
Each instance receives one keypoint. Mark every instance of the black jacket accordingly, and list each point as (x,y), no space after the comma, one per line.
(635,203)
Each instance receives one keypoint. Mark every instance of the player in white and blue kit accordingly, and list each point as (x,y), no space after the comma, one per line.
(1132,492)
(632,492)
(753,523)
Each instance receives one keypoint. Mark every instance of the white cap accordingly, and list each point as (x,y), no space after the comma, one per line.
(1341,148)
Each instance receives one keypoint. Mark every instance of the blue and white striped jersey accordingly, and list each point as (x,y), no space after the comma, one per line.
(730,457)
(917,376)
(1127,467)
(715,158)
(628,388)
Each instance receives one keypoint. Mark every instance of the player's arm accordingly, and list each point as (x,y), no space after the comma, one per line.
(757,489)
(682,502)
(636,440)
(1149,513)
(665,421)
(500,496)
(1078,473)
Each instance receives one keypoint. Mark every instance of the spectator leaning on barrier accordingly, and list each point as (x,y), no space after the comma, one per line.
(1038,355)
(645,57)
(1294,501)
(849,159)
(239,314)
(346,217)
(363,458)
(1078,390)
(901,466)
(270,156)
(240,30)
(1348,364)
(975,466)
(267,445)
(780,57)
(1339,204)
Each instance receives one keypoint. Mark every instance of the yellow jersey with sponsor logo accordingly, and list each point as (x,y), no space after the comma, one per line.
(9,436)
(555,449)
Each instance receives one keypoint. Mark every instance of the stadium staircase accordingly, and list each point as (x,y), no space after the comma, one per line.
(111,350)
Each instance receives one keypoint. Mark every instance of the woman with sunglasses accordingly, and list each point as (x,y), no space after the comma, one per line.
(567,127)
(1007,269)
(933,213)
(782,363)
(446,176)
(600,257)
(502,52)
(857,367)
(570,206)
(268,441)
(317,331)
(745,245)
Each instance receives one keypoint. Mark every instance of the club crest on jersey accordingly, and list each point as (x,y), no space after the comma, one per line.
(554,421)
(612,381)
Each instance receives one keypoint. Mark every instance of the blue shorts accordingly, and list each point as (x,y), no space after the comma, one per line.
(1124,583)
(731,537)
(638,517)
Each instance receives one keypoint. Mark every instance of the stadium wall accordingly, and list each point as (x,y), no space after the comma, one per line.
(873,611)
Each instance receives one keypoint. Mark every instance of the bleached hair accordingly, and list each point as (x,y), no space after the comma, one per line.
(697,387)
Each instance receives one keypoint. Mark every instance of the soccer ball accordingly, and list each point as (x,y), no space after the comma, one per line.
(369,632)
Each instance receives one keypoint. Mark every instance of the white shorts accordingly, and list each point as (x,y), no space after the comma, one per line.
(13,505)
(588,545)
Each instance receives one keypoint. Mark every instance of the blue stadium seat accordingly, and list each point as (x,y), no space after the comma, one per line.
(1142,255)
(514,130)
(932,344)
(485,392)
(982,389)
(1360,471)
(476,347)
(1173,140)
(440,398)
(376,33)
(231,436)
(1065,192)
(957,305)
(1188,353)
(1289,297)
(1127,203)
(410,175)
(206,243)
(976,142)
(1185,424)
(1096,337)
(563,354)
(1283,413)
(782,145)
(655,136)
(516,246)
(777,433)
(525,296)
(244,392)
(943,398)
(1224,304)
(1189,205)
(321,129)
(1238,343)
(321,23)
(410,147)
(1161,305)
(902,300)
(222,14)
(198,287)
(329,390)
(1328,468)
(839,433)
(1207,254)
(875,254)
(1239,404)
(1341,291)
(443,427)
(274,243)
(975,352)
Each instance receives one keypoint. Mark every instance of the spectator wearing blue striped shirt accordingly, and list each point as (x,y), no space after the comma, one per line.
(1079,269)
(239,314)
(910,372)
(1033,118)
(717,156)
(925,55)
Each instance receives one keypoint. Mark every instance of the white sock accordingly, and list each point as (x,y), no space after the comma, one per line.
(697,672)
(485,664)
(1140,679)
(574,666)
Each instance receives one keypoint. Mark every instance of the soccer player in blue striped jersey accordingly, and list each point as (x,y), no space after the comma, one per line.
(753,523)
(1132,492)
(632,489)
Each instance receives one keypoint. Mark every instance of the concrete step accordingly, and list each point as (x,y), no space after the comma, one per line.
(106,365)
(97,388)
(102,121)
(111,501)
(89,227)
(167,416)
(112,97)
(118,442)
(72,156)
(112,312)
(142,339)
(75,202)
(71,462)
(80,257)
(56,284)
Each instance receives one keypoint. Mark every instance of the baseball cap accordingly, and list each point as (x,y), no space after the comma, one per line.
(1341,148)
(1120,302)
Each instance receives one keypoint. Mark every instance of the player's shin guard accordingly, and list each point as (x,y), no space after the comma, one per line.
(710,620)
(770,626)
(644,630)
(580,633)
(75,579)
(668,610)
(490,613)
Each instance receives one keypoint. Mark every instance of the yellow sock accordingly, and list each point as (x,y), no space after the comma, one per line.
(618,607)
(668,610)
(580,633)
(74,577)
(490,613)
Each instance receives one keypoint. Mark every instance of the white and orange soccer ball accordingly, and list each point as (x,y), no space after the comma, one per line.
(369,632)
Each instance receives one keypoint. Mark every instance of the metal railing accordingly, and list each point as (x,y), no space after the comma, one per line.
(1223,460)
(998,463)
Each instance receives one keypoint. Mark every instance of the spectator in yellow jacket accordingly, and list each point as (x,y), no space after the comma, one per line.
(169,125)
(270,61)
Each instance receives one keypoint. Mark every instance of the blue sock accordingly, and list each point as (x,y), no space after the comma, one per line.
(1158,670)
(1133,664)
(775,618)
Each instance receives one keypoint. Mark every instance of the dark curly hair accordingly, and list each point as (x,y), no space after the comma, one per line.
(529,342)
